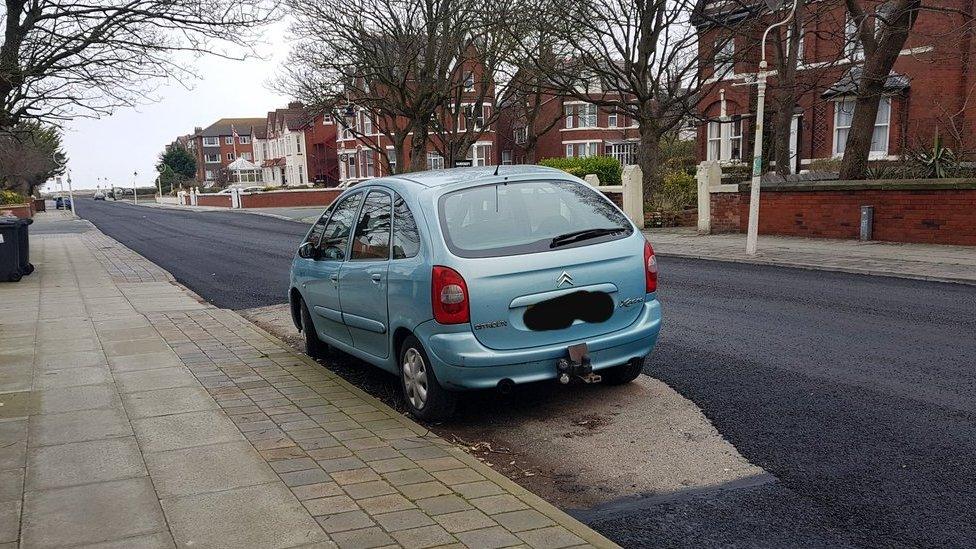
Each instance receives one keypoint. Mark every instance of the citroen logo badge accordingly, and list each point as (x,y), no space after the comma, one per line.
(564,279)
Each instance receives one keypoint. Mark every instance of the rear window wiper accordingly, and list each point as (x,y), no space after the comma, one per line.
(585,234)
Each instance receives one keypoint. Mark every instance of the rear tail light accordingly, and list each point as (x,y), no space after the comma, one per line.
(449,296)
(650,267)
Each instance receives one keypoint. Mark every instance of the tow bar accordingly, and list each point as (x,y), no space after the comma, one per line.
(577,365)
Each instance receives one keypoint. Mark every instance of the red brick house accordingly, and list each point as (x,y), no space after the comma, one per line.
(219,144)
(930,86)
(362,136)
(564,127)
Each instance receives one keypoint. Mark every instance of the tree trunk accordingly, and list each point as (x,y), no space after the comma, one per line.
(880,57)
(649,158)
(418,148)
(858,148)
(782,125)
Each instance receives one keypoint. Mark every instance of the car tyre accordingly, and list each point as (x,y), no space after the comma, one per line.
(625,373)
(423,394)
(314,347)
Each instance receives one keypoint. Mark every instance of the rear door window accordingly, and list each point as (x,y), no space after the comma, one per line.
(336,233)
(527,217)
(406,238)
(372,240)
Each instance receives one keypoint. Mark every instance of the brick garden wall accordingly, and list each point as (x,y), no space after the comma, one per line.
(280,199)
(924,212)
(219,200)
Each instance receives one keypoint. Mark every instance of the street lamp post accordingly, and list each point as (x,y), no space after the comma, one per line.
(71,196)
(135,195)
(752,237)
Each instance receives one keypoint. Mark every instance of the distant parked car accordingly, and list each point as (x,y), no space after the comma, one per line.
(62,203)
(98,196)
(467,279)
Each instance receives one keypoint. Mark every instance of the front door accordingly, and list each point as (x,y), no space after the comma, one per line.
(322,288)
(362,280)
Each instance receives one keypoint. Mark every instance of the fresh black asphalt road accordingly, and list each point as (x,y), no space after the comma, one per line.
(857,393)
(233,260)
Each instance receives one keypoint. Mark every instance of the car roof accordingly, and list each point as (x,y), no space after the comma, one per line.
(451,176)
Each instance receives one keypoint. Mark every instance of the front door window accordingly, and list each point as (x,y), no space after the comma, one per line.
(336,233)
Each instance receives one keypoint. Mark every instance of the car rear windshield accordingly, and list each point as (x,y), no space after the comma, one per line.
(527,217)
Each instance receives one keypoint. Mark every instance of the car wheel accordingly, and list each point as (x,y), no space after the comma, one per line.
(425,397)
(314,347)
(625,373)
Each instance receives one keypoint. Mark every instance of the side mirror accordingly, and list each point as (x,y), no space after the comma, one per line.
(308,251)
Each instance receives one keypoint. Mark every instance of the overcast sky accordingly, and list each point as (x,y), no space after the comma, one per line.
(131,139)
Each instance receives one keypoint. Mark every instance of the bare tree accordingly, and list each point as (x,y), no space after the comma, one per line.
(65,58)
(881,34)
(637,57)
(396,59)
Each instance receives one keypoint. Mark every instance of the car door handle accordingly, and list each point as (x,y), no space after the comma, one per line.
(376,277)
(334,278)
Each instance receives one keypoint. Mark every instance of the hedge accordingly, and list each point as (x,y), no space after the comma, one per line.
(11,197)
(605,167)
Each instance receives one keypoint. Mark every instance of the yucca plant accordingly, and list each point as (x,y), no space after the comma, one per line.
(938,161)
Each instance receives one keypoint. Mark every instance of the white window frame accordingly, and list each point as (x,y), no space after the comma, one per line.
(724,63)
(391,159)
(506,158)
(211,158)
(568,112)
(230,157)
(853,49)
(435,161)
(479,154)
(625,153)
(720,136)
(469,81)
(228,140)
(244,139)
(883,120)
(587,114)
(208,175)
(211,141)
(521,135)
(581,149)
(612,119)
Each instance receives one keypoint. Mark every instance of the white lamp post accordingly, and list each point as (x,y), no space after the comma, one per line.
(71,195)
(752,237)
(135,195)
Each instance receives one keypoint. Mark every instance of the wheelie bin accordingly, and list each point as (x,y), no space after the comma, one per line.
(10,249)
(26,267)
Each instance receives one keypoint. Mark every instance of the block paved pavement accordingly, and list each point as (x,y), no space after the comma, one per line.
(135,415)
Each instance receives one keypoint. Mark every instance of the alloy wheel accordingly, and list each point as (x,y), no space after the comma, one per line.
(415,378)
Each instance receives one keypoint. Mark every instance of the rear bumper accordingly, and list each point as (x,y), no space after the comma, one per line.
(461,362)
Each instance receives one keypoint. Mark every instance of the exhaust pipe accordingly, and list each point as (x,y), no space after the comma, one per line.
(505,386)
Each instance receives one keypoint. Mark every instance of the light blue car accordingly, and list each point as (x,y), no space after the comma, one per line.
(478,278)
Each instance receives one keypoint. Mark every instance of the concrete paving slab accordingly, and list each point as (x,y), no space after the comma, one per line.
(79,426)
(83,462)
(71,377)
(91,513)
(162,402)
(146,361)
(135,347)
(160,378)
(12,484)
(266,516)
(158,434)
(209,468)
(71,399)
(159,540)
(10,521)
